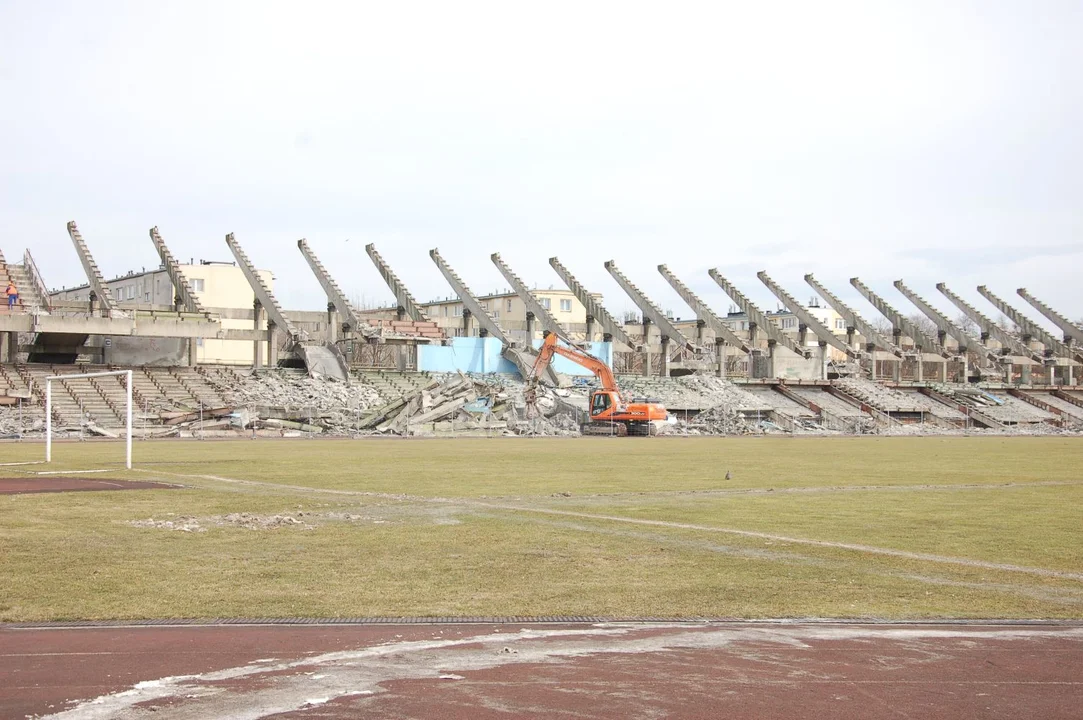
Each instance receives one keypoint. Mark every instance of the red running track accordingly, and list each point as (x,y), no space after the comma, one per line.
(721,670)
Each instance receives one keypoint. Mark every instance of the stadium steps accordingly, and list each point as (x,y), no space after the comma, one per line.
(198,387)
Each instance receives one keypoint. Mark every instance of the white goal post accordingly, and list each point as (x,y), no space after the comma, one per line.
(49,410)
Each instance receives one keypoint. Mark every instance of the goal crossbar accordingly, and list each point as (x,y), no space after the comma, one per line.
(79,376)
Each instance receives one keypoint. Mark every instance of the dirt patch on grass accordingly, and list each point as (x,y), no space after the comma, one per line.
(301,520)
(47,484)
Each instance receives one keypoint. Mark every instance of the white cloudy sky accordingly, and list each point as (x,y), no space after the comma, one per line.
(924,140)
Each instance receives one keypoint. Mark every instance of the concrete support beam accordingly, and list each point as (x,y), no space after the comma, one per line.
(257,326)
(853,320)
(900,323)
(183,296)
(407,304)
(272,345)
(594,307)
(534,309)
(703,312)
(1072,332)
(485,321)
(772,331)
(99,289)
(335,296)
(649,309)
(988,327)
(263,293)
(1032,329)
(807,319)
(161,326)
(334,323)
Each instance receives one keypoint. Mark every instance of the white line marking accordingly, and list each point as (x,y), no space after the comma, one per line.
(855,547)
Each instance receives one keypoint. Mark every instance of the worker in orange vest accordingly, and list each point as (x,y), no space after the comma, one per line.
(13,295)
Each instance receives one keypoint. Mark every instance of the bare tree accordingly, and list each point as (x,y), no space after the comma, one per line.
(967,325)
(361,301)
(924,324)
(1007,326)
(882,325)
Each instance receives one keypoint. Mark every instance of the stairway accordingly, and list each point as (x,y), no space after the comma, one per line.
(29,297)
(263,293)
(188,296)
(97,280)
(402,294)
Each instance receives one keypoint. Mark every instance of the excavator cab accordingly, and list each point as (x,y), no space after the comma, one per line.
(600,402)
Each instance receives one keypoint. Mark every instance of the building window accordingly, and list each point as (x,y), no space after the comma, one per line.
(546,303)
(445,311)
(508,306)
(788,323)
(457,311)
(565,305)
(840,324)
(197,284)
(496,314)
(146,297)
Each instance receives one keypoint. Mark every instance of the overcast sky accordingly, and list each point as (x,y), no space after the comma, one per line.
(932,141)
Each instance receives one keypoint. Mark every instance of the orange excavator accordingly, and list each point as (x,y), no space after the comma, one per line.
(610,413)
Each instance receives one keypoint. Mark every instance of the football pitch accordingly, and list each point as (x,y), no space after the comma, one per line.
(892,528)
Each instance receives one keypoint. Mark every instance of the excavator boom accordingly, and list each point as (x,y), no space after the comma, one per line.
(552,346)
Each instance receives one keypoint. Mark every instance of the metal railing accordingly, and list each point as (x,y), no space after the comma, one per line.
(35,277)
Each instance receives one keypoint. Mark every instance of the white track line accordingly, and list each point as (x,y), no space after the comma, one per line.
(855,547)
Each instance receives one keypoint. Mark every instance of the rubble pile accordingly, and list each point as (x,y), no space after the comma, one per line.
(287,402)
(722,419)
(454,404)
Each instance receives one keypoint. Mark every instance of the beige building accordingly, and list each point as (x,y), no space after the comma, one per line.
(218,286)
(509,311)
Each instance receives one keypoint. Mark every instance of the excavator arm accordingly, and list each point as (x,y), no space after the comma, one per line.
(551,346)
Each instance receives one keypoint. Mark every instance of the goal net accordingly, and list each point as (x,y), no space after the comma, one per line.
(52,379)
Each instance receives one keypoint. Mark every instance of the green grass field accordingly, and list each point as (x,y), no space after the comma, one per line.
(807,527)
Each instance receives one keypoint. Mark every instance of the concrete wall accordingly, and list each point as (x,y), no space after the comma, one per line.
(122,350)
(482,355)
